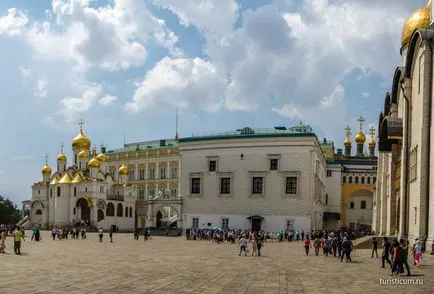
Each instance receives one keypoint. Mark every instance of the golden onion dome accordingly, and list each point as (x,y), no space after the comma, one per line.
(61,157)
(347,142)
(102,157)
(80,141)
(372,142)
(420,19)
(46,170)
(94,163)
(83,154)
(360,138)
(123,170)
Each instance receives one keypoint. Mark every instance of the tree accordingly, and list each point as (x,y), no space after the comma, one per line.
(9,213)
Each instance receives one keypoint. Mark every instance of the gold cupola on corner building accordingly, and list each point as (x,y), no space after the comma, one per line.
(81,141)
(420,19)
(360,138)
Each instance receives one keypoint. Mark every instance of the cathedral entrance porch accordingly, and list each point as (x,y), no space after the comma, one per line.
(84,210)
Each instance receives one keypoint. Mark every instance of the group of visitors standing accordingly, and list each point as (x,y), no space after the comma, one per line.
(337,243)
(396,254)
(257,241)
(17,234)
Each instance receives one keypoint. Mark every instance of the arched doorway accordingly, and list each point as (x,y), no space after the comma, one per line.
(159,218)
(84,209)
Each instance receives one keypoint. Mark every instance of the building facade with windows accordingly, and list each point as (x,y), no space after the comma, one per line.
(350,182)
(405,186)
(84,191)
(154,169)
(270,180)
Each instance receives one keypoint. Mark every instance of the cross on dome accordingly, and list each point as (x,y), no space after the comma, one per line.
(61,147)
(372,131)
(81,123)
(348,131)
(46,158)
(361,120)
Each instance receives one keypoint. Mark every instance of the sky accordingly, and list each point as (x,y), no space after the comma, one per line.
(124,66)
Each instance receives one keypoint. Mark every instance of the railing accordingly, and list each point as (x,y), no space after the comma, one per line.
(116,197)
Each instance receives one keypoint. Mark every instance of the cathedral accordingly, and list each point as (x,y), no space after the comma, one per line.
(84,191)
(404,198)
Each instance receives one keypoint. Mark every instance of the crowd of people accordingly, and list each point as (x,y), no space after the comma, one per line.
(16,232)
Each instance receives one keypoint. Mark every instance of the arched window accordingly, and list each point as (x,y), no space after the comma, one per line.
(363,204)
(368,180)
(362,180)
(126,211)
(100,215)
(58,191)
(344,179)
(351,204)
(39,212)
(131,212)
(350,180)
(119,210)
(110,210)
(357,180)
(75,191)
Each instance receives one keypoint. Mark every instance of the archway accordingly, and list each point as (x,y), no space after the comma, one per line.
(110,211)
(166,216)
(84,210)
(100,215)
(159,218)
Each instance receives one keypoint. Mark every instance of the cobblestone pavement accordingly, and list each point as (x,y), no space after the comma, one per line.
(174,265)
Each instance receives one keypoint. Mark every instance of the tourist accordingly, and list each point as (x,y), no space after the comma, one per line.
(347,246)
(259,243)
(316,245)
(37,234)
(397,258)
(83,233)
(33,233)
(417,253)
(17,241)
(3,236)
(386,252)
(404,245)
(54,233)
(307,245)
(111,234)
(243,244)
(302,234)
(254,245)
(100,234)
(374,247)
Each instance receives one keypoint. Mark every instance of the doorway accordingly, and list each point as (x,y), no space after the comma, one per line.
(256,225)
(159,218)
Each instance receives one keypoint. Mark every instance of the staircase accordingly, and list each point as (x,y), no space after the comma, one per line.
(171,220)
(22,221)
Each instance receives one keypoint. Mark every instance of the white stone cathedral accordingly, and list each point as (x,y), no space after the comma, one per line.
(404,198)
(83,192)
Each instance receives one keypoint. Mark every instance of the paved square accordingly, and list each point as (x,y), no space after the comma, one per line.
(175,265)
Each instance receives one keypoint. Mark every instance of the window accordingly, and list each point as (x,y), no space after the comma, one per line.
(131,174)
(362,180)
(162,173)
(374,180)
(75,159)
(368,179)
(356,180)
(73,211)
(39,212)
(327,199)
(39,191)
(51,192)
(351,204)
(257,185)
(141,174)
(212,165)
(58,191)
(350,180)
(289,224)
(344,179)
(174,192)
(110,210)
(225,185)
(174,172)
(151,192)
(329,173)
(363,204)
(225,223)
(119,210)
(274,164)
(291,185)
(195,185)
(75,191)
(126,211)
(195,222)
(101,189)
(131,212)
(141,195)
(152,173)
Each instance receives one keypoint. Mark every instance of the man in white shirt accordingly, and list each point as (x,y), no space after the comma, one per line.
(243,244)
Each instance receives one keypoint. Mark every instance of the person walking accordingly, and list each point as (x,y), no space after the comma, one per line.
(17,241)
(417,253)
(374,247)
(254,245)
(386,252)
(404,245)
(243,244)
(111,234)
(100,234)
(3,236)
(307,245)
(397,258)
(259,244)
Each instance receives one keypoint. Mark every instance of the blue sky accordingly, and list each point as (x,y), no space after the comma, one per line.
(126,65)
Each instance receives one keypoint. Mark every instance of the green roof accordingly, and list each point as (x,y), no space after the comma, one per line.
(147,145)
(247,133)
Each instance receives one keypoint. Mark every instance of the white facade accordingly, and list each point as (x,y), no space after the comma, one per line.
(333,196)
(227,192)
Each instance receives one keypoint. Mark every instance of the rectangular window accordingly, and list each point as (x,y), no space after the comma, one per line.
(357,180)
(162,173)
(174,192)
(141,195)
(212,165)
(131,175)
(151,192)
(274,164)
(152,173)
(350,180)
(362,180)
(225,223)
(195,185)
(289,224)
(195,222)
(58,191)
(374,180)
(225,185)
(363,205)
(368,179)
(257,185)
(327,199)
(51,192)
(174,172)
(344,179)
(329,173)
(75,191)
(291,185)
(141,174)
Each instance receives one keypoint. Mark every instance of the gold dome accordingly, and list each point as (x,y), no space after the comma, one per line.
(81,141)
(123,170)
(347,142)
(420,19)
(94,163)
(83,154)
(46,170)
(372,142)
(61,157)
(360,138)
(102,157)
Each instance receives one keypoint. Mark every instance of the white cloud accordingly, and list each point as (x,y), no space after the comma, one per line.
(26,72)
(23,157)
(13,23)
(41,87)
(71,107)
(194,83)
(107,100)
(365,94)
